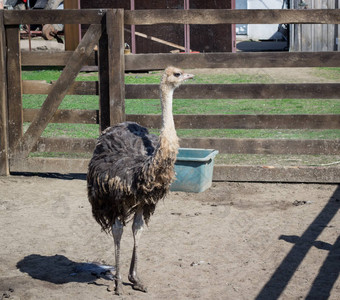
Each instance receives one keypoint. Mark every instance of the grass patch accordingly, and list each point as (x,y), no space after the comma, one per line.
(328,73)
(236,106)
(69,102)
(49,74)
(154,78)
(208,106)
(188,106)
(69,130)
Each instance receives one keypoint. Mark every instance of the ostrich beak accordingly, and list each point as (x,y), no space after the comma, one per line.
(187,76)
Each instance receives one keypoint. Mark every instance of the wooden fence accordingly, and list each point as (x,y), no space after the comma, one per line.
(107,30)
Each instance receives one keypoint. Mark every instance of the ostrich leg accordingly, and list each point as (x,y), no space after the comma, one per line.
(137,228)
(117,231)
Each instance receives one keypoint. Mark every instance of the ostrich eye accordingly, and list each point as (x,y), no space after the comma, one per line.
(177,74)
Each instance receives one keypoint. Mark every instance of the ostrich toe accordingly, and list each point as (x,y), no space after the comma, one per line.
(137,284)
(119,288)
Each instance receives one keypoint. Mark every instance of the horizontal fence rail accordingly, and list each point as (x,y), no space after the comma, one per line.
(232,16)
(224,145)
(274,174)
(142,62)
(178,16)
(203,91)
(242,121)
(61,16)
(239,91)
(325,121)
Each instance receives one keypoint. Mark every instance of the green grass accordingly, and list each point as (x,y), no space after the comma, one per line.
(49,74)
(188,106)
(92,131)
(69,102)
(236,106)
(147,78)
(70,130)
(328,73)
(208,106)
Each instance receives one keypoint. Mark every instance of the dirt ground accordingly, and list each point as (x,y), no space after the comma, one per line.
(233,241)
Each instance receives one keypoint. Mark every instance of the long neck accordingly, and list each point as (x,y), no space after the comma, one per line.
(160,171)
(166,102)
(168,140)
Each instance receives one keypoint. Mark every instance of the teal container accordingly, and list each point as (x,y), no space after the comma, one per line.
(194,170)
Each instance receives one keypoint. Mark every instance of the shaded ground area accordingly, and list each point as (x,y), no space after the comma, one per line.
(234,241)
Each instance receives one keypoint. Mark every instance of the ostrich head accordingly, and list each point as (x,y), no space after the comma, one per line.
(173,77)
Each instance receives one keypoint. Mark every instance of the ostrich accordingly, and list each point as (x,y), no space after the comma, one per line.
(130,171)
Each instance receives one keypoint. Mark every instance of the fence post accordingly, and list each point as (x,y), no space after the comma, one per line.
(112,70)
(4,163)
(14,86)
(104,79)
(115,31)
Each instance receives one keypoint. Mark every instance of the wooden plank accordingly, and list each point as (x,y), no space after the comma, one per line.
(239,91)
(65,16)
(202,91)
(36,87)
(14,87)
(243,121)
(139,62)
(51,58)
(265,146)
(221,172)
(74,116)
(104,81)
(59,90)
(307,37)
(223,145)
(4,163)
(177,16)
(157,40)
(231,16)
(71,31)
(49,165)
(73,145)
(277,174)
(115,31)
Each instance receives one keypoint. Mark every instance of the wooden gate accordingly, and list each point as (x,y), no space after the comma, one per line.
(105,30)
(112,91)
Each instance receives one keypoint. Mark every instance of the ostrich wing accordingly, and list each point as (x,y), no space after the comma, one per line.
(122,150)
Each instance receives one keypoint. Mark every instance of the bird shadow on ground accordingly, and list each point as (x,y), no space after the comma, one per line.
(58,269)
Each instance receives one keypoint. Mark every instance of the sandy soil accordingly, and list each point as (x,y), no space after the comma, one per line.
(234,241)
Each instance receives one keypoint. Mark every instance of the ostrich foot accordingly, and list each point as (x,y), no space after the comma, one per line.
(118,288)
(137,284)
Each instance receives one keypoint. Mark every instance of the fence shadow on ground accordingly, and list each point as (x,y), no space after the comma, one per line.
(68,176)
(329,271)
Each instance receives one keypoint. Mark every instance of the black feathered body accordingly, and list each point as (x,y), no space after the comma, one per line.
(130,169)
